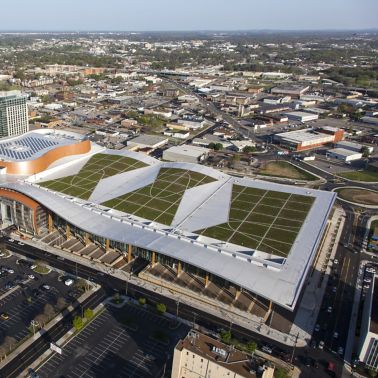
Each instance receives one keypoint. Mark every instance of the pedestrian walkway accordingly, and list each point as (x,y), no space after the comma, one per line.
(317,282)
(229,312)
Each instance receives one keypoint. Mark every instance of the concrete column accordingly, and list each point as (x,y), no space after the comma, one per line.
(68,231)
(153,258)
(129,250)
(107,244)
(237,294)
(178,268)
(86,238)
(50,222)
(206,279)
(270,306)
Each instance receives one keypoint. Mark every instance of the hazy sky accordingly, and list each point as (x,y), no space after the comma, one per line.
(187,14)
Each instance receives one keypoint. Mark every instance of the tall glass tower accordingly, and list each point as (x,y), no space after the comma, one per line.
(13,114)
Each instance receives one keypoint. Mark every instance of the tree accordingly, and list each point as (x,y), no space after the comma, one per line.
(9,343)
(365,152)
(249,149)
(251,346)
(161,308)
(142,301)
(41,319)
(19,75)
(78,323)
(116,298)
(216,146)
(48,310)
(372,373)
(61,303)
(81,284)
(3,352)
(88,313)
(226,337)
(280,373)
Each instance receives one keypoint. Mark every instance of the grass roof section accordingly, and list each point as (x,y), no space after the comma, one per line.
(97,168)
(159,201)
(264,220)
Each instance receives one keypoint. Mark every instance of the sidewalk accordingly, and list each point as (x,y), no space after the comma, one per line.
(317,283)
(353,321)
(235,316)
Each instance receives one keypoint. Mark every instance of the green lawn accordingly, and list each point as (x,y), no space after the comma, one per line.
(159,201)
(264,220)
(97,168)
(367,176)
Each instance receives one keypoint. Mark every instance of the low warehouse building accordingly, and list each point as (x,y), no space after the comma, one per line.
(344,154)
(301,116)
(300,140)
(187,154)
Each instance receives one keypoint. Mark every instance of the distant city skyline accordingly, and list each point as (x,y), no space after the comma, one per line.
(193,15)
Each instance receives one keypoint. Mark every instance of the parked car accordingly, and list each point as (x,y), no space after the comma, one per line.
(335,335)
(321,345)
(4,316)
(68,282)
(329,309)
(267,349)
(31,276)
(340,351)
(317,328)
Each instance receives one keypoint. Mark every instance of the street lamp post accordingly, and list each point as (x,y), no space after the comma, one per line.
(34,324)
(177,308)
(295,345)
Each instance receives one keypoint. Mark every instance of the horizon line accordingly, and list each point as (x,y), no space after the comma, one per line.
(368,29)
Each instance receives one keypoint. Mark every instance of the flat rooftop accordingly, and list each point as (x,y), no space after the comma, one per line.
(34,144)
(343,152)
(304,135)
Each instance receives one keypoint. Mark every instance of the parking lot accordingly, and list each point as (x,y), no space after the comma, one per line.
(117,343)
(24,295)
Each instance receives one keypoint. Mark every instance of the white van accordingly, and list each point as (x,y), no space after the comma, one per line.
(68,282)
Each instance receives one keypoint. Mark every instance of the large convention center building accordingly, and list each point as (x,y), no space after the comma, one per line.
(238,241)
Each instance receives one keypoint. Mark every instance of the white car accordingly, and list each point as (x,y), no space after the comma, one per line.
(367,280)
(370,270)
(33,266)
(31,276)
(47,287)
(266,349)
(20,243)
(321,345)
(335,261)
(10,271)
(11,240)
(329,309)
(336,335)
(68,282)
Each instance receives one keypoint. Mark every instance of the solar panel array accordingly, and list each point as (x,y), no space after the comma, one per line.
(25,148)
